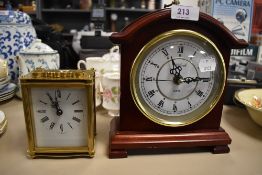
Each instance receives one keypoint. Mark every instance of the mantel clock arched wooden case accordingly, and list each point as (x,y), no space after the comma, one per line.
(173,74)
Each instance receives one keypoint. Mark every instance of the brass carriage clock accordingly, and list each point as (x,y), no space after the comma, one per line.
(59,112)
(173,74)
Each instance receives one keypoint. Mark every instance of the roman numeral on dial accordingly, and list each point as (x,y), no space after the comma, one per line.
(189,104)
(154,64)
(174,107)
(68,96)
(41,111)
(43,102)
(62,128)
(76,119)
(44,119)
(180,49)
(161,104)
(52,125)
(77,101)
(69,124)
(78,111)
(151,93)
(164,51)
(199,93)
(148,79)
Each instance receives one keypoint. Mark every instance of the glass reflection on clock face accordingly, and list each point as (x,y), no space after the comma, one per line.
(59,117)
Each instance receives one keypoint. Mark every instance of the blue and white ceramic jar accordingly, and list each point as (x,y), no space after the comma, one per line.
(16,34)
(38,55)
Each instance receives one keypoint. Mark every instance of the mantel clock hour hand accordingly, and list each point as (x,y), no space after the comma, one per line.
(175,70)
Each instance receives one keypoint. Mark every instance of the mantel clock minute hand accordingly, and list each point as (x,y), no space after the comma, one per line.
(196,79)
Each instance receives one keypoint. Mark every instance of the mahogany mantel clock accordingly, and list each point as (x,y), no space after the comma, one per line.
(173,74)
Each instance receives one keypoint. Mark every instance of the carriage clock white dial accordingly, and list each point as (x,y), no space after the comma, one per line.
(59,116)
(177,78)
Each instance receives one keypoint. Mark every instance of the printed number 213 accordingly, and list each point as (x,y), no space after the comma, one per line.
(182,11)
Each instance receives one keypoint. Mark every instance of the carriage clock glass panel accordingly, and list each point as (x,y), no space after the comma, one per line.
(178,77)
(60,117)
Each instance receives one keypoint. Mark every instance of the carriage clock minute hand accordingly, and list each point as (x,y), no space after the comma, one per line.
(59,111)
(53,104)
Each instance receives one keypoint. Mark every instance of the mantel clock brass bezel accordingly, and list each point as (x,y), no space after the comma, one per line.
(195,115)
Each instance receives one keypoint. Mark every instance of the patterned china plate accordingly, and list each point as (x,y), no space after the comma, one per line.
(6,94)
(4,81)
(7,97)
(3,86)
(11,87)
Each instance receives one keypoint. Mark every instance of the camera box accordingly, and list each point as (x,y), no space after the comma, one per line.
(254,71)
(236,15)
(239,60)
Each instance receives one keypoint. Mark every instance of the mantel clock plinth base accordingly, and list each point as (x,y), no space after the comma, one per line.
(122,141)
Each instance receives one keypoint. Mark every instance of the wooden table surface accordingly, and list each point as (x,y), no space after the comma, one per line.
(245,157)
